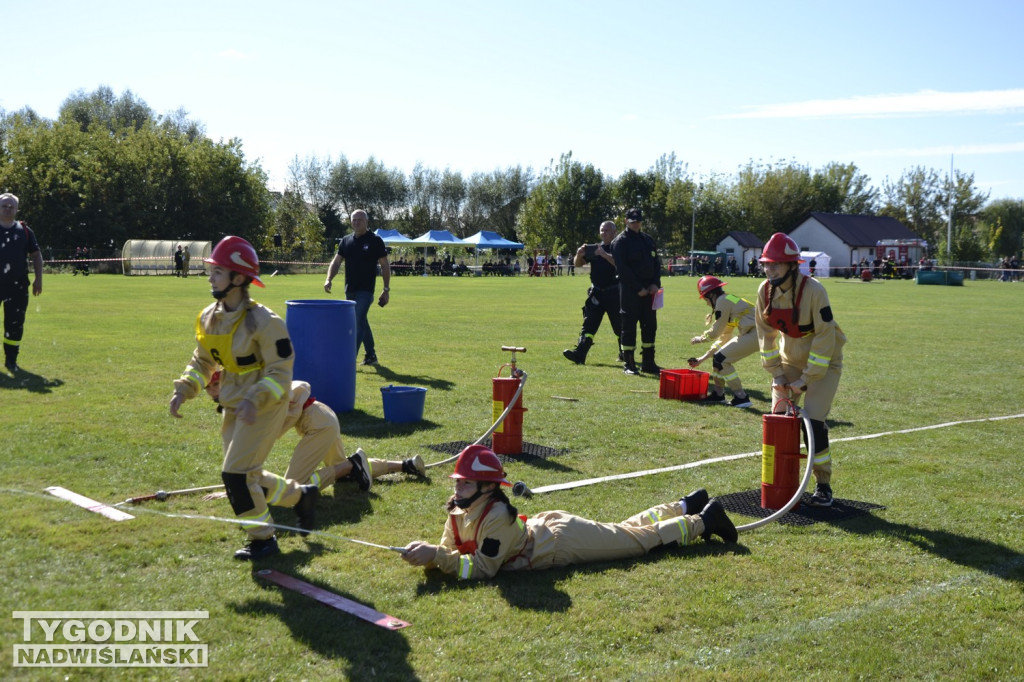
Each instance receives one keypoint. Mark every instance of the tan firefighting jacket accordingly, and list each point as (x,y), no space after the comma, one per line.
(498,539)
(820,337)
(731,313)
(260,348)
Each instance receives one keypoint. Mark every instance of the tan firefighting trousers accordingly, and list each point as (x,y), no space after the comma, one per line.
(321,443)
(560,538)
(817,404)
(246,447)
(734,350)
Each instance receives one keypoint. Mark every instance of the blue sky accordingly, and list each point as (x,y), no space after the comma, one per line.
(475,86)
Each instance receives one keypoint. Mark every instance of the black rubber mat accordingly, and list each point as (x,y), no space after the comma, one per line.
(748,503)
(531,451)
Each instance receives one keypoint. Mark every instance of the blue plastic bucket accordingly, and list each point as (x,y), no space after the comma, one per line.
(403,404)
(323,335)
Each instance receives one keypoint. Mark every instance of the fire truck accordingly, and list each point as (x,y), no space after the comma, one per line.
(905,254)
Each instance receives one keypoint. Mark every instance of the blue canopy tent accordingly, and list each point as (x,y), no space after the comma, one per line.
(484,239)
(393,237)
(491,240)
(436,238)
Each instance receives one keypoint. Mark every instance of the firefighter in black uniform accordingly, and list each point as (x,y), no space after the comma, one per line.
(17,245)
(639,269)
(602,296)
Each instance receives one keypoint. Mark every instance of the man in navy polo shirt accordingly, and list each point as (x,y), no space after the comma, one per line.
(362,252)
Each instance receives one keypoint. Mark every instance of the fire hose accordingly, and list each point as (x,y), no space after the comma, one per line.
(501,418)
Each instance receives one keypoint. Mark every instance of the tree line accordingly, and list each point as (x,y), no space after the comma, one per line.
(109,169)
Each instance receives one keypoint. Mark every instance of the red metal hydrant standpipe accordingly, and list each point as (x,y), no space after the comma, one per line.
(780,459)
(506,395)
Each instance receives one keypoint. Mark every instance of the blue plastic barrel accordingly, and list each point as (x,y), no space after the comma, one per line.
(323,334)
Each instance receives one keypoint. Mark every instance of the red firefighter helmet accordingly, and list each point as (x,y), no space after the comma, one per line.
(708,283)
(780,249)
(478,463)
(237,255)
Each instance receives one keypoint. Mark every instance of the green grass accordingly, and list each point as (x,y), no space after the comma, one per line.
(928,588)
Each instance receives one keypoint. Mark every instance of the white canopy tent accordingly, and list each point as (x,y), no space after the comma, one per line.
(821,263)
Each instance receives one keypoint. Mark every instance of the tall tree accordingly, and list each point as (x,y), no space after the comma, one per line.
(916,200)
(841,188)
(923,200)
(104,109)
(103,173)
(1003,222)
(774,197)
(566,207)
(493,200)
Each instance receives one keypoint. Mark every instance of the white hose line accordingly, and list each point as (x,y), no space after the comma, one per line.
(743,455)
(496,424)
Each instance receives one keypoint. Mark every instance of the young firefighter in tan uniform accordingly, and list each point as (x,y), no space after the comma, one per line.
(321,443)
(484,533)
(730,313)
(252,344)
(801,347)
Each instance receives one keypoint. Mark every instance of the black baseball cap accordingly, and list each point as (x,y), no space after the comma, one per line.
(634,215)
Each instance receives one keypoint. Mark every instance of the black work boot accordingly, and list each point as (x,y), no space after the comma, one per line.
(647,365)
(629,363)
(414,466)
(579,354)
(695,501)
(361,470)
(716,522)
(305,508)
(258,549)
(11,358)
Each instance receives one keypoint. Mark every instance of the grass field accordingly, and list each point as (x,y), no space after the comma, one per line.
(930,587)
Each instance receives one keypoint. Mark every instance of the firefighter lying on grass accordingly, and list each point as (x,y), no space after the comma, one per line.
(484,533)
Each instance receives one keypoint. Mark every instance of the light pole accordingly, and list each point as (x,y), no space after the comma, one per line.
(693,223)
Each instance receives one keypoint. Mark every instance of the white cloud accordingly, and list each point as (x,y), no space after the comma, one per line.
(234,55)
(956,150)
(880,106)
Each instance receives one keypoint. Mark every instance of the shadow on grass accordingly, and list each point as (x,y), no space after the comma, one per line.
(371,652)
(539,591)
(412,379)
(983,555)
(27,381)
(358,422)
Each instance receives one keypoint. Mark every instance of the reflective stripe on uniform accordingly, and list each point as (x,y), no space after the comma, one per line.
(274,387)
(823,457)
(653,516)
(730,377)
(770,354)
(465,566)
(11,342)
(279,487)
(315,479)
(684,537)
(819,360)
(252,520)
(194,377)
